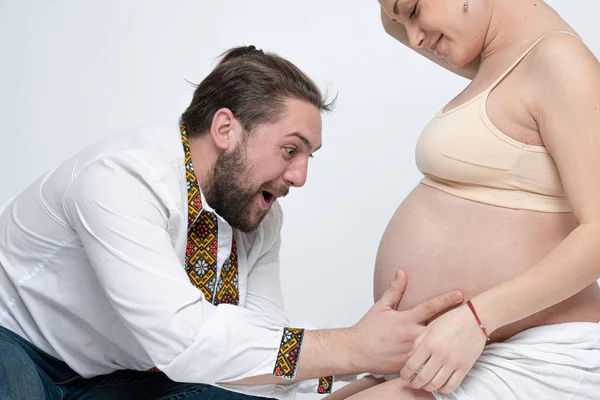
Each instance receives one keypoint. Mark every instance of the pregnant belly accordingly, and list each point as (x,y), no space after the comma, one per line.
(446,243)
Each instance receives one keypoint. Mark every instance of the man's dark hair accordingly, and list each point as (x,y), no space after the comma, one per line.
(254,86)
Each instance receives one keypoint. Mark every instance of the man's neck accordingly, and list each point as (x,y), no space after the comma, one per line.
(203,158)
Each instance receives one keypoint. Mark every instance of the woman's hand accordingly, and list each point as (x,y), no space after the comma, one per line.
(444,352)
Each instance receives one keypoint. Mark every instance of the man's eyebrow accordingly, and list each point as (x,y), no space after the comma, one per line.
(303,139)
(395,8)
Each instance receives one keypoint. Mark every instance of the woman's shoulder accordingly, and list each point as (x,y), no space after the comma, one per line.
(566,80)
(560,54)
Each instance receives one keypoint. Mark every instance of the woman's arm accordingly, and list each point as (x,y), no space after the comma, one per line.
(569,121)
(568,82)
(397,31)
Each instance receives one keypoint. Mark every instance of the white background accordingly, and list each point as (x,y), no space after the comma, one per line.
(73,72)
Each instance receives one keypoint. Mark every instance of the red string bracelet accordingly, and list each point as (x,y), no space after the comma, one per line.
(478,320)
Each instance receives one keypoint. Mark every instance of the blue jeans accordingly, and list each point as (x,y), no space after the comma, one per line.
(27,373)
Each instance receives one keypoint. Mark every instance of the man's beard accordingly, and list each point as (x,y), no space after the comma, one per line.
(227,194)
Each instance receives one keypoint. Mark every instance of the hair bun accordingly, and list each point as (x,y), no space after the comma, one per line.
(250,50)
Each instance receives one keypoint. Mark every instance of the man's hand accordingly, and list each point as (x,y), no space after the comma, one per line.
(378,343)
(384,336)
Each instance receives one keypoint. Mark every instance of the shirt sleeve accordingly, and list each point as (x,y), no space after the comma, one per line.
(264,295)
(263,290)
(122,223)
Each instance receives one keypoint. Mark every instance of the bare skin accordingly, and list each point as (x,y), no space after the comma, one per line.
(443,241)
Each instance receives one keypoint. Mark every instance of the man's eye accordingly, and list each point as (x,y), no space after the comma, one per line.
(290,150)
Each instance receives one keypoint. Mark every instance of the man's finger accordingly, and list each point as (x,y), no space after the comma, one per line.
(427,310)
(393,293)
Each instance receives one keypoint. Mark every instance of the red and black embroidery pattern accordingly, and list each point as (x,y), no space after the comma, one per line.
(201,267)
(289,352)
(202,244)
(325,384)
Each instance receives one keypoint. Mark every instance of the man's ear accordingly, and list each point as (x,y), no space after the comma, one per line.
(224,129)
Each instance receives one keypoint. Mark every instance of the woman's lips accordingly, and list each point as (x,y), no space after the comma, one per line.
(437,47)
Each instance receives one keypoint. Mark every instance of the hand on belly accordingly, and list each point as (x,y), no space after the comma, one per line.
(445,351)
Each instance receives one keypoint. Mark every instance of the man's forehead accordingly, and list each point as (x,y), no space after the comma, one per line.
(304,118)
(293,125)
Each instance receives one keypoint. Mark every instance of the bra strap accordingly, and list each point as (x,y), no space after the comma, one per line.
(497,81)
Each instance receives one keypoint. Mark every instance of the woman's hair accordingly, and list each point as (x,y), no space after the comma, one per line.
(254,86)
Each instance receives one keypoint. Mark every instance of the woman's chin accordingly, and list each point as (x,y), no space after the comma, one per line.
(457,62)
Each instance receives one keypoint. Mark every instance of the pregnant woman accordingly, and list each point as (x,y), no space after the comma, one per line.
(508,210)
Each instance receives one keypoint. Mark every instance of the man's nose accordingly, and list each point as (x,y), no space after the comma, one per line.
(295,174)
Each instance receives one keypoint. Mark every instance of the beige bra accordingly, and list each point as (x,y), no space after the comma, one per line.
(461,152)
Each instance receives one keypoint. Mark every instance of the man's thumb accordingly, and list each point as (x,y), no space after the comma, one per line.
(393,293)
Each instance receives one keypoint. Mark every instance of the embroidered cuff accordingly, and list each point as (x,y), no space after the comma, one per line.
(289,352)
(325,385)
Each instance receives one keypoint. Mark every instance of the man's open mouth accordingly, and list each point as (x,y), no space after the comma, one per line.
(268,196)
